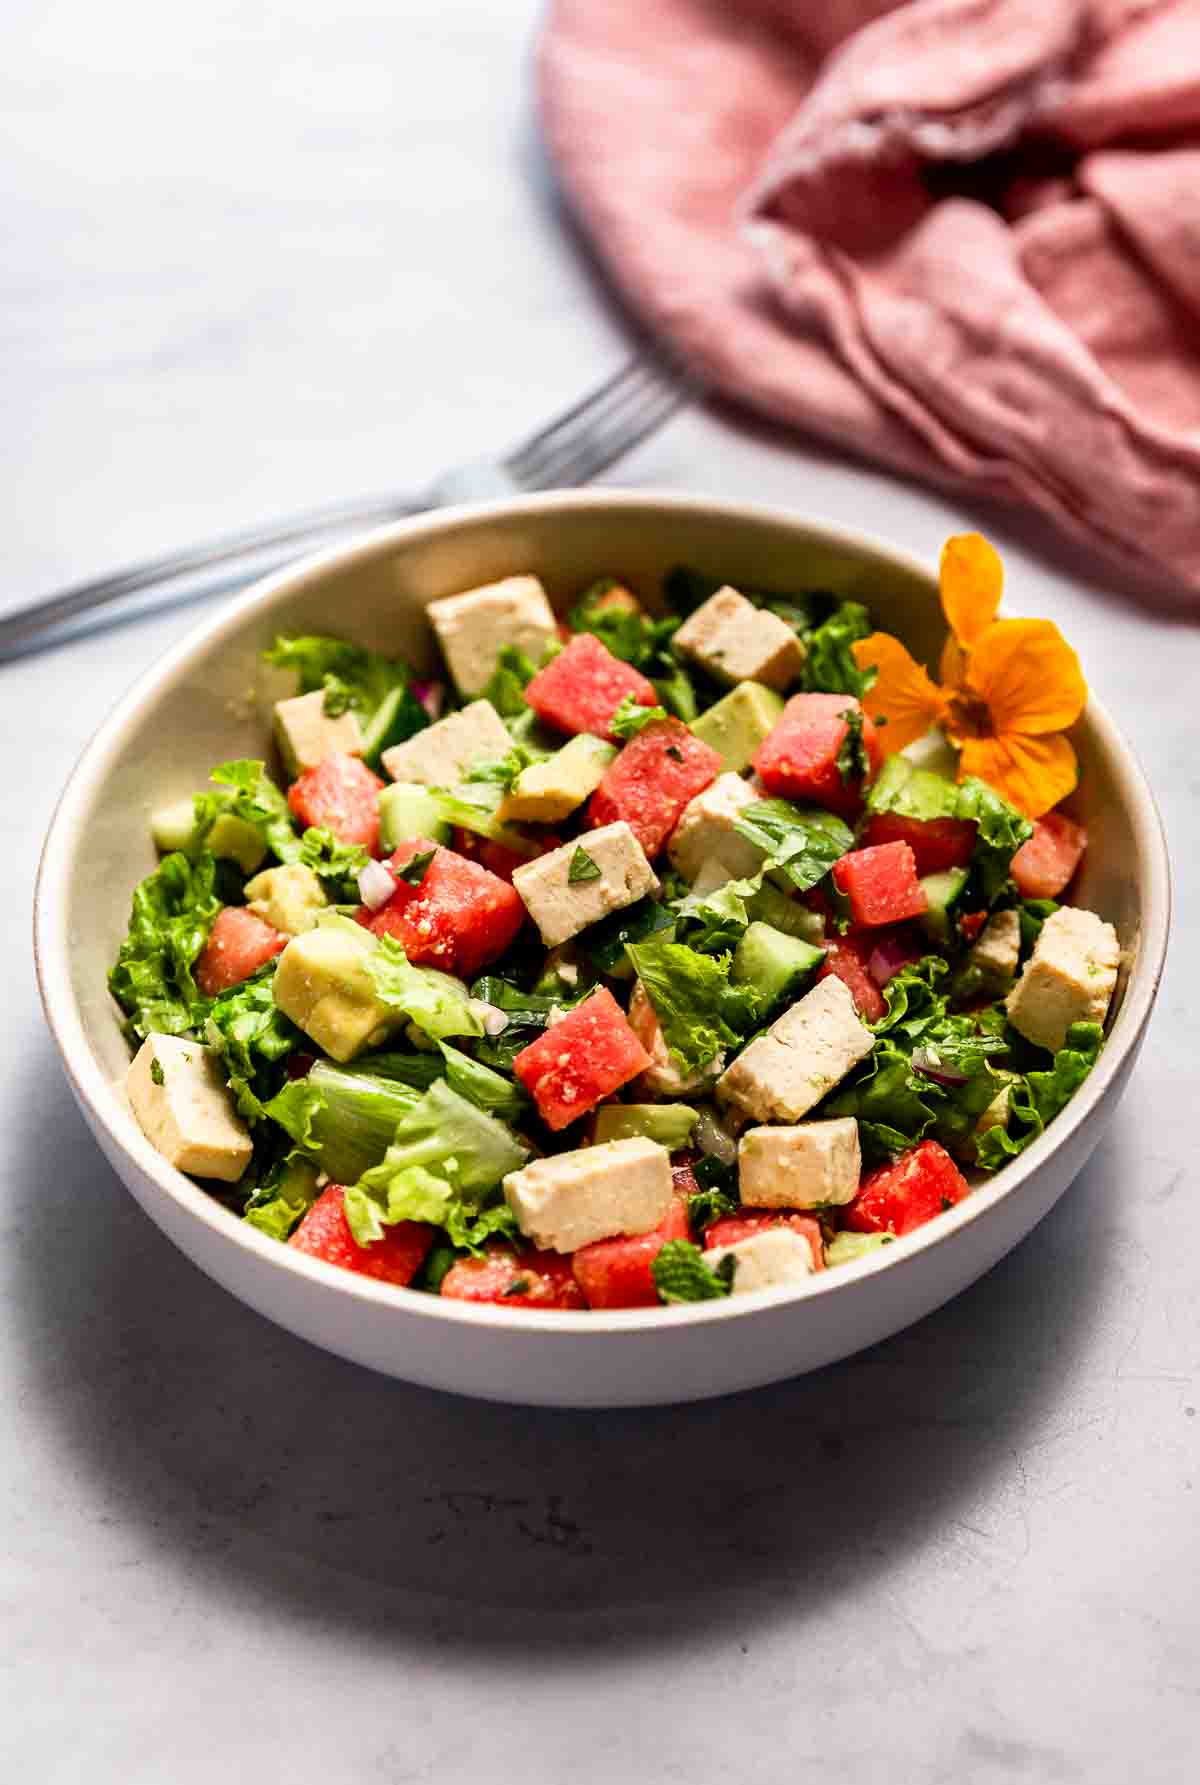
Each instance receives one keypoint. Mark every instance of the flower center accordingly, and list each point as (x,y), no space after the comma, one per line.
(968,717)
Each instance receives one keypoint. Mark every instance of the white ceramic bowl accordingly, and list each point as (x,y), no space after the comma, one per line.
(207,700)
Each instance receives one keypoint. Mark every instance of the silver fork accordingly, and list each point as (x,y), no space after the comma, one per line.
(572,449)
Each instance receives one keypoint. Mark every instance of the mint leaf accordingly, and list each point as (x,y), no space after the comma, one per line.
(681,1275)
(630,718)
(337,865)
(802,843)
(413,871)
(157,1075)
(581,867)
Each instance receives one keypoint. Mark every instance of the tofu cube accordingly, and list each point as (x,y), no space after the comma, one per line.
(800,1167)
(323,984)
(472,627)
(705,831)
(777,1258)
(562,907)
(289,898)
(995,955)
(1069,978)
(572,1199)
(802,1056)
(664,1077)
(306,734)
(737,642)
(185,1109)
(440,755)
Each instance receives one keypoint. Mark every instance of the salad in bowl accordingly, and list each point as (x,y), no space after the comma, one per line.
(676,951)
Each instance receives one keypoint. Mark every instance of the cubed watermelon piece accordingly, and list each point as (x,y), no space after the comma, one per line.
(516,1279)
(652,780)
(846,958)
(798,759)
(881,885)
(238,945)
(618,1274)
(1043,867)
(583,686)
(937,843)
(325,1233)
(340,795)
(458,917)
(732,1228)
(581,1059)
(902,1196)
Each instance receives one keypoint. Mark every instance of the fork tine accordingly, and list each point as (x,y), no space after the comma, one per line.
(604,424)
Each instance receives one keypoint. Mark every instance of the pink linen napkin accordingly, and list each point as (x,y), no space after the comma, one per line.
(959,236)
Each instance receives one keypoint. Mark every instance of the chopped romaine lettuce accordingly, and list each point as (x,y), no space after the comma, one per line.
(254,1038)
(342,1116)
(351,677)
(173,911)
(283,1198)
(436,1002)
(698,1011)
(801,842)
(829,667)
(1035,1098)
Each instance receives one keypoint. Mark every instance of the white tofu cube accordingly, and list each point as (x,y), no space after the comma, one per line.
(777,1258)
(737,642)
(440,755)
(1069,978)
(306,734)
(571,1199)
(472,627)
(800,1167)
(996,953)
(803,1055)
(561,906)
(179,1096)
(705,831)
(664,1077)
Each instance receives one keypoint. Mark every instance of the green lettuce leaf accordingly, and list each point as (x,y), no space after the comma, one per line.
(1035,1098)
(681,1275)
(283,1198)
(800,843)
(474,807)
(508,681)
(436,1002)
(829,666)
(351,676)
(698,1011)
(343,1117)
(486,1089)
(254,1038)
(243,789)
(173,912)
(446,1161)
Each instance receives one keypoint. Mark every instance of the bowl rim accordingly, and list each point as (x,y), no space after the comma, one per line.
(106,1113)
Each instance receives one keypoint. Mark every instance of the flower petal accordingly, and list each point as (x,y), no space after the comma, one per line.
(1032,773)
(904,694)
(971,579)
(1028,676)
(953,667)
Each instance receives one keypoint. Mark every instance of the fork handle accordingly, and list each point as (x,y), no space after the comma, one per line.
(23,627)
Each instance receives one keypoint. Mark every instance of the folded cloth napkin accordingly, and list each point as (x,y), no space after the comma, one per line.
(959,236)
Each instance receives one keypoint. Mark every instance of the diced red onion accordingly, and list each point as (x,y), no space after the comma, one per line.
(431,696)
(941,1075)
(376,884)
(889,955)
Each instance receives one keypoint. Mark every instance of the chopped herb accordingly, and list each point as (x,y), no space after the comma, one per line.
(518,1286)
(157,1075)
(631,717)
(675,753)
(413,870)
(852,761)
(582,867)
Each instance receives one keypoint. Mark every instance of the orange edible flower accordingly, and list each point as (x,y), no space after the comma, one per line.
(1009,689)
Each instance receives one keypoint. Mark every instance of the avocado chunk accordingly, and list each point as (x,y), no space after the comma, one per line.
(844,1248)
(174,827)
(289,898)
(772,962)
(737,724)
(407,810)
(547,791)
(670,1124)
(941,890)
(322,983)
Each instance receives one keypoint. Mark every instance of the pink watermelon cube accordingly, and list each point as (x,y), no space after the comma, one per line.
(618,1273)
(459,916)
(902,1196)
(325,1233)
(881,885)
(238,945)
(1043,866)
(652,780)
(581,1059)
(798,759)
(340,795)
(515,1279)
(583,687)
